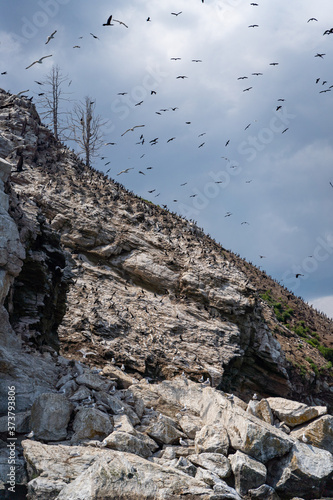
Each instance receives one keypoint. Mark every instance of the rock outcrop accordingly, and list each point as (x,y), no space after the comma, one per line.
(124,330)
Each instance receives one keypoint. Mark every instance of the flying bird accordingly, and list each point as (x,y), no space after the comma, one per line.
(254,26)
(328,32)
(120,22)
(39,61)
(320,55)
(125,171)
(285,130)
(256,74)
(175,58)
(94,36)
(249,88)
(182,76)
(148,19)
(201,145)
(226,144)
(176,13)
(196,60)
(298,275)
(50,37)
(4,73)
(312,19)
(273,64)
(108,22)
(242,78)
(131,129)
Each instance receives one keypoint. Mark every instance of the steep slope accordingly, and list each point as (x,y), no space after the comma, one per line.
(133,282)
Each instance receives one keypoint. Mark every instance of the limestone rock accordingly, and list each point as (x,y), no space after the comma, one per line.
(264,492)
(304,469)
(125,475)
(90,423)
(261,409)
(137,443)
(164,432)
(249,473)
(190,425)
(318,433)
(213,439)
(214,462)
(93,382)
(50,414)
(294,413)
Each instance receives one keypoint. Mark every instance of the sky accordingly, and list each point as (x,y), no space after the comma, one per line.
(248,156)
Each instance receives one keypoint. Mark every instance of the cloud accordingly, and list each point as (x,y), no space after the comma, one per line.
(324,304)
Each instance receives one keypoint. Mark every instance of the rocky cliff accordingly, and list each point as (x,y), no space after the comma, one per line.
(93,276)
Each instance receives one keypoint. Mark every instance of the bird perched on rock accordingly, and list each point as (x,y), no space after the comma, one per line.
(182,442)
(30,435)
(123,367)
(254,396)
(206,382)
(304,439)
(184,409)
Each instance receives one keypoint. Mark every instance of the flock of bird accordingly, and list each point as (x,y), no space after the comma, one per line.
(142,140)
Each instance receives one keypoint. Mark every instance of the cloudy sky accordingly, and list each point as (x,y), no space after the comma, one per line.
(254,175)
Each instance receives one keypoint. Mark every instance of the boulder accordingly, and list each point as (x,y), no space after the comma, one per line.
(319,433)
(213,439)
(294,413)
(213,462)
(261,409)
(93,381)
(50,415)
(98,474)
(164,432)
(138,443)
(264,492)
(249,473)
(304,469)
(90,423)
(190,425)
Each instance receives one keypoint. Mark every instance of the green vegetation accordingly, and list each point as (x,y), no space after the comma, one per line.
(282,312)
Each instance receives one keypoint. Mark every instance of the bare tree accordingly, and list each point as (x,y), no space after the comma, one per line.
(85,129)
(51,98)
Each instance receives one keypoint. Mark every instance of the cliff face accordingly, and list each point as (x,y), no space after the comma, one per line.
(99,269)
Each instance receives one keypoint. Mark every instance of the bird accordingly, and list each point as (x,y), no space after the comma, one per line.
(125,171)
(328,32)
(230,397)
(138,103)
(184,408)
(285,130)
(254,26)
(181,76)
(4,73)
(201,145)
(304,438)
(247,126)
(331,184)
(254,4)
(196,60)
(298,275)
(256,74)
(312,19)
(278,107)
(273,64)
(85,353)
(184,184)
(131,129)
(122,367)
(182,442)
(152,190)
(206,382)
(201,379)
(121,410)
(50,37)
(175,58)
(140,172)
(30,435)
(176,13)
(262,256)
(39,61)
(242,77)
(120,22)
(108,22)
(76,47)
(320,55)
(94,36)
(148,19)
(226,144)
(254,396)
(249,88)
(171,139)
(122,93)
